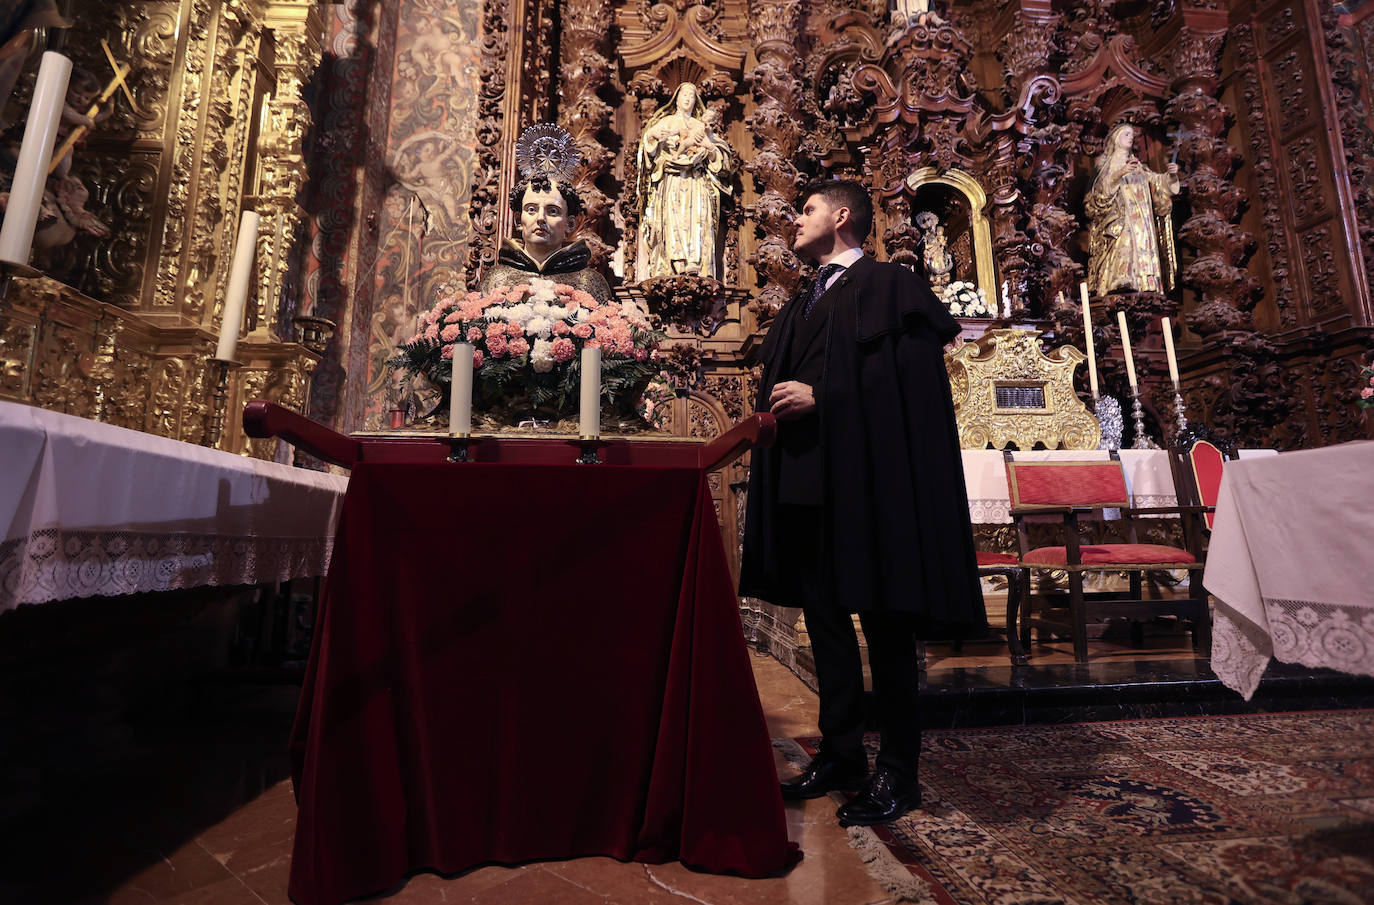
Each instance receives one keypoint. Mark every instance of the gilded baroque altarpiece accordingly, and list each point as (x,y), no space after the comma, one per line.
(119,327)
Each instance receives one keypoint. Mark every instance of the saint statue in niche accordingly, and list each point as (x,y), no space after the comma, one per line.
(935,256)
(682,160)
(1131,243)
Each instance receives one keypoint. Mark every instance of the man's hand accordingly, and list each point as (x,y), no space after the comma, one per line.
(791,400)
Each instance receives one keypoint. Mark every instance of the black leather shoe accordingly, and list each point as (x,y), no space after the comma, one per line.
(885,799)
(824,775)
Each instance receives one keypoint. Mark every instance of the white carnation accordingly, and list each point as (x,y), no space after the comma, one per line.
(556,312)
(955,309)
(541,308)
(583,315)
(519,314)
(541,356)
(539,326)
(541,289)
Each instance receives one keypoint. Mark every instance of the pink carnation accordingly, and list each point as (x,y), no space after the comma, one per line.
(450,333)
(640,354)
(474,334)
(561,328)
(495,330)
(519,346)
(563,349)
(582,330)
(563,288)
(472,297)
(515,330)
(432,332)
(447,353)
(584,298)
(1366,392)
(496,345)
(454,317)
(476,358)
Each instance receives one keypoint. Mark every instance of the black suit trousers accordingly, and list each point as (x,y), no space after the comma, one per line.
(891,640)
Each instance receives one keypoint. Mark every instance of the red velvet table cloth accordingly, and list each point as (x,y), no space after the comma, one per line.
(515,663)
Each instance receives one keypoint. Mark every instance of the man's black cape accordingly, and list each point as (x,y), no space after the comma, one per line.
(897,534)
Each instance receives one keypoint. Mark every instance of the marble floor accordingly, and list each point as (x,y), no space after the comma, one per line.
(197,807)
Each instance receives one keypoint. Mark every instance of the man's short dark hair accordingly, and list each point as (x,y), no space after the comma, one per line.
(844,193)
(545,184)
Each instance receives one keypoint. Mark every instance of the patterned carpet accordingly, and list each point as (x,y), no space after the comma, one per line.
(1267,808)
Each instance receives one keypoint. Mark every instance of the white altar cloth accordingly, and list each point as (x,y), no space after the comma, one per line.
(1291,567)
(89,509)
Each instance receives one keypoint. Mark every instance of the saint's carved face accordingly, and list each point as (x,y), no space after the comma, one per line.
(543,221)
(1125,137)
(686,99)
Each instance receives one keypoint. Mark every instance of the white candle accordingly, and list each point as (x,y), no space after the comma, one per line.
(460,391)
(31,171)
(236,295)
(1126,347)
(1006,300)
(589,415)
(1088,339)
(1169,351)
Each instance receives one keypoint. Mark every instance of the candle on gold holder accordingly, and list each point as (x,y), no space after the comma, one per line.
(236,294)
(1088,339)
(460,392)
(217,373)
(1126,348)
(589,412)
(35,154)
(1169,351)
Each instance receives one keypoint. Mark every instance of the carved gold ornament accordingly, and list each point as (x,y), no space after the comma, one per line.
(1008,391)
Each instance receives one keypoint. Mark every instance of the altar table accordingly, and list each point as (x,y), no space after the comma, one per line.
(516,662)
(91,510)
(1291,567)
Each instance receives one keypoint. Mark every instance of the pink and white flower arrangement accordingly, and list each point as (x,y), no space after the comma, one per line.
(528,340)
(1365,399)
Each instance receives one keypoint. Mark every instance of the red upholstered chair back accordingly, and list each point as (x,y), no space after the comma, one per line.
(1206,461)
(1096,483)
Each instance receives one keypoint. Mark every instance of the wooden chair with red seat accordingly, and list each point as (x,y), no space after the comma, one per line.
(1062,491)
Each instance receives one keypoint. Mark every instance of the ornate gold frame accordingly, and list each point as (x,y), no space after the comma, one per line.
(1012,358)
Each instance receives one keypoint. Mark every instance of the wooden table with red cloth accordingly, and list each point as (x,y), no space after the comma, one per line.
(522,662)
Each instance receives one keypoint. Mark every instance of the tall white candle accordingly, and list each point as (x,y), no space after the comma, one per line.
(1126,347)
(1169,351)
(31,171)
(589,415)
(460,391)
(236,295)
(1088,340)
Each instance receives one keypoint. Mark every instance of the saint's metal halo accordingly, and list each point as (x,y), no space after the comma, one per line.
(545,149)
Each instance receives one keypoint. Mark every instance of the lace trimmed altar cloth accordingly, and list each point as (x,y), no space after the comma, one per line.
(1290,564)
(89,509)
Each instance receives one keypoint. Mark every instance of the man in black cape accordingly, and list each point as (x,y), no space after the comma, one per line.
(860,506)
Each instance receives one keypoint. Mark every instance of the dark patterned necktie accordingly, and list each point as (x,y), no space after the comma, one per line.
(818,287)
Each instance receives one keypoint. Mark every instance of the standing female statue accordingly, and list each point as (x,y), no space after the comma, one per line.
(681,162)
(1131,243)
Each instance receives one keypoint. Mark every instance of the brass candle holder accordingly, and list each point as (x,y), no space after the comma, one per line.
(217,371)
(589,447)
(460,447)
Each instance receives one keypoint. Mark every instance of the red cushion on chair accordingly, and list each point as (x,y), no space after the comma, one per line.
(1207,462)
(997,559)
(1067,484)
(1110,555)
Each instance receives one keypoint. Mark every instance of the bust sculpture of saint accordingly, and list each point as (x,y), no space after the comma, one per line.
(1131,235)
(681,160)
(546,210)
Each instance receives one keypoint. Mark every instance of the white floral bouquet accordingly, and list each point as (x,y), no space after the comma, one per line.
(527,341)
(963,299)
